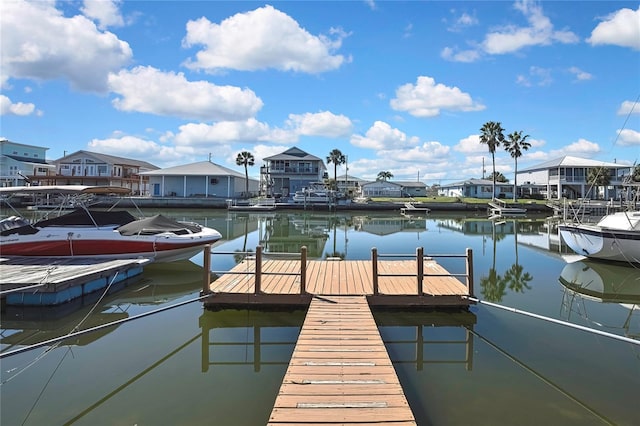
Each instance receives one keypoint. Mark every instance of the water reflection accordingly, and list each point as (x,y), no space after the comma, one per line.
(590,286)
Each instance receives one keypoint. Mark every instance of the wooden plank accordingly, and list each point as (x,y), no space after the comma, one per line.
(360,386)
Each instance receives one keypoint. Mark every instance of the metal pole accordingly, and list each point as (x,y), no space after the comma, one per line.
(206,279)
(303,269)
(420,262)
(470,271)
(258,273)
(374,269)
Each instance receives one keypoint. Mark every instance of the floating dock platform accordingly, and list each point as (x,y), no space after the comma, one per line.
(37,281)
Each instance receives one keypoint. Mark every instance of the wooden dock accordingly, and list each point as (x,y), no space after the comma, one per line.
(37,281)
(417,282)
(340,372)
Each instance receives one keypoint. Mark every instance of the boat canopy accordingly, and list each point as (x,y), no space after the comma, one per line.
(64,189)
(84,217)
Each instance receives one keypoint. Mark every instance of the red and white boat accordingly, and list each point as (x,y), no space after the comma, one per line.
(85,232)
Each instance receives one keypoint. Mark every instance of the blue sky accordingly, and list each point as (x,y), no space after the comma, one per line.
(397,86)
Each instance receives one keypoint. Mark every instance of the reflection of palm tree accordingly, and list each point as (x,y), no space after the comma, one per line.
(493,285)
(517,280)
(334,223)
(239,257)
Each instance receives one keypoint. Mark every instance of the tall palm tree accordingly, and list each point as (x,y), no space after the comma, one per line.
(336,157)
(514,145)
(597,177)
(384,175)
(493,136)
(245,158)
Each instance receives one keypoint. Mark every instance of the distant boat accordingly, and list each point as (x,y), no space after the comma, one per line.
(615,237)
(312,196)
(93,233)
(410,208)
(261,204)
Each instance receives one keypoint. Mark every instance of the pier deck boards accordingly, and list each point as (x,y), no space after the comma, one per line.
(340,372)
(280,283)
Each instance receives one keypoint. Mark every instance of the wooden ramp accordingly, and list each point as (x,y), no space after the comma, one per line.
(340,372)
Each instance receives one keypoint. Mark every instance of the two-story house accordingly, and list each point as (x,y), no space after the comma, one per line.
(92,168)
(568,177)
(291,171)
(22,164)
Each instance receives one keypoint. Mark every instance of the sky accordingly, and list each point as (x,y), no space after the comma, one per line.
(402,87)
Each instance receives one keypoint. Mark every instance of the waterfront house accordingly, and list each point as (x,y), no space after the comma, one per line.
(567,177)
(476,188)
(395,189)
(201,179)
(22,164)
(291,171)
(93,168)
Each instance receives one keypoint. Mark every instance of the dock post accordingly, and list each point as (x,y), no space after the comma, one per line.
(470,271)
(206,263)
(420,262)
(303,269)
(374,270)
(258,277)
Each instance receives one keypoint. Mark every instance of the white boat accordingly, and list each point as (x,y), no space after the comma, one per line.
(615,237)
(410,208)
(312,196)
(260,205)
(95,233)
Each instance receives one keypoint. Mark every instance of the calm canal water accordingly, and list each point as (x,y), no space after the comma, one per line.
(488,366)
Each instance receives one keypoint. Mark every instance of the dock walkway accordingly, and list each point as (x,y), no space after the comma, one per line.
(340,372)
(394,282)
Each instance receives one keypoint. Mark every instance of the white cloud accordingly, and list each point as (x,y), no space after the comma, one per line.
(7,107)
(227,132)
(580,75)
(146,89)
(629,107)
(382,136)
(320,124)
(580,148)
(260,39)
(425,153)
(106,12)
(470,144)
(38,42)
(621,28)
(428,99)
(456,55)
(540,32)
(135,147)
(537,77)
(628,137)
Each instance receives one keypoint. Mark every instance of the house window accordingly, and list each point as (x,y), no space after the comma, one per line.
(214,181)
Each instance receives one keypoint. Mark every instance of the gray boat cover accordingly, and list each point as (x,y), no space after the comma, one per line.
(156,225)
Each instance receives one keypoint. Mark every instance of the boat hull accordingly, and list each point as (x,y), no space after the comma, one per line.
(600,243)
(106,243)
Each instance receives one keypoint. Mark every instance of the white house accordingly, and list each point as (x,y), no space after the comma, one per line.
(567,177)
(201,179)
(476,188)
(395,189)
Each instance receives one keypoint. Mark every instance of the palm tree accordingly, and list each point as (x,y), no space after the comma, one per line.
(514,145)
(245,158)
(384,175)
(493,136)
(598,176)
(336,157)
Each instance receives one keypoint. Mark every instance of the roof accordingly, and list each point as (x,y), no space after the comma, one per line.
(201,168)
(476,182)
(569,161)
(112,159)
(294,154)
(403,184)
